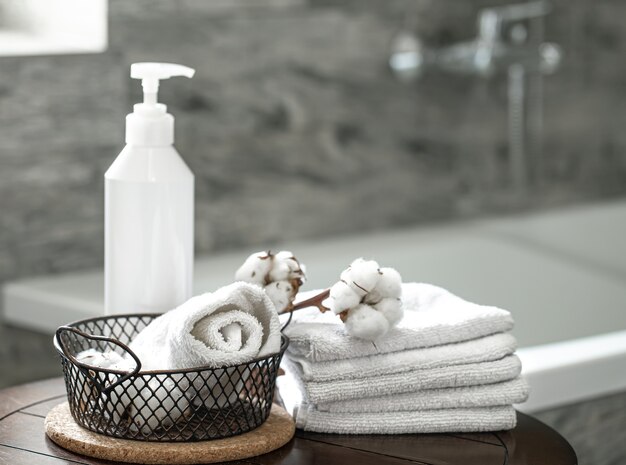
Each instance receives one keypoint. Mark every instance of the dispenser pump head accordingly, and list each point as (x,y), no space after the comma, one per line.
(150,124)
(151,73)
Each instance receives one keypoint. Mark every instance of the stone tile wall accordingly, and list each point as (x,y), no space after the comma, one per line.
(295,127)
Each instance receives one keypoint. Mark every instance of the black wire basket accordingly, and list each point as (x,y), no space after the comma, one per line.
(195,404)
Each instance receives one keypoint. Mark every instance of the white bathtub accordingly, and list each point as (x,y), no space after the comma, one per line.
(561,273)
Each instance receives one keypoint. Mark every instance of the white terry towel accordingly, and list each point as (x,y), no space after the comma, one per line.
(232,325)
(470,374)
(510,392)
(488,348)
(433,316)
(457,420)
(485,395)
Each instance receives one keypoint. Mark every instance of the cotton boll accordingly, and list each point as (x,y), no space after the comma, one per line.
(90,357)
(285,267)
(284,255)
(255,269)
(86,355)
(391,308)
(125,364)
(366,323)
(119,402)
(280,271)
(281,293)
(346,275)
(99,359)
(342,297)
(107,360)
(362,276)
(389,285)
(159,405)
(366,274)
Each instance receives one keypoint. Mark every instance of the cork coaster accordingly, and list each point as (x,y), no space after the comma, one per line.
(271,435)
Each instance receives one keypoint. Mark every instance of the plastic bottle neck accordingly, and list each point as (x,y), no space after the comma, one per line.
(149,125)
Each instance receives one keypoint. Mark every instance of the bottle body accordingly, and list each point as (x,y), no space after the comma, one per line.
(149,198)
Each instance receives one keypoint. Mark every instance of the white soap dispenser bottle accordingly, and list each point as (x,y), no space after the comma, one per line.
(149,196)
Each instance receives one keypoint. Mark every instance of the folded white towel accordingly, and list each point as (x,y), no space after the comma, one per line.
(232,325)
(457,420)
(487,395)
(433,316)
(484,395)
(470,374)
(493,347)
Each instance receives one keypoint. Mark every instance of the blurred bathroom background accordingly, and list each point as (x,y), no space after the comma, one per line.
(297,128)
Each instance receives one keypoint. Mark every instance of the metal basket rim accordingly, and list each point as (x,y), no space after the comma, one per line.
(284,342)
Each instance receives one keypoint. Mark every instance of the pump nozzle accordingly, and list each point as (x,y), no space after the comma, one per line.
(151,73)
(150,124)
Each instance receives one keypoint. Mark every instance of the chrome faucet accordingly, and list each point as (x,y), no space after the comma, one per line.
(503,44)
(501,40)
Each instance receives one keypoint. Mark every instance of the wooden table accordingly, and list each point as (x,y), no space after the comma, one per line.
(23,441)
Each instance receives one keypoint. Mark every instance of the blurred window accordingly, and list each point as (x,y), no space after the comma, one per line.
(51,27)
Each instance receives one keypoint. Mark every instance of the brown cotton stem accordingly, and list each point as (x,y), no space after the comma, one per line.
(315,301)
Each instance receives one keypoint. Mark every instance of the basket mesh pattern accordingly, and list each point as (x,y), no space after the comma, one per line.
(186,405)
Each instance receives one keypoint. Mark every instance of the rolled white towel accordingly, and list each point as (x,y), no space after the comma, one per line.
(232,325)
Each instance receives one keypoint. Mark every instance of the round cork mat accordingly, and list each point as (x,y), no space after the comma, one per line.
(274,433)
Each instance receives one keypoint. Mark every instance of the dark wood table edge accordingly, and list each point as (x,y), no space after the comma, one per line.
(519,444)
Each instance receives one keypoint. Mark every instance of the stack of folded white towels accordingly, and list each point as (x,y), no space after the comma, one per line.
(449,366)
